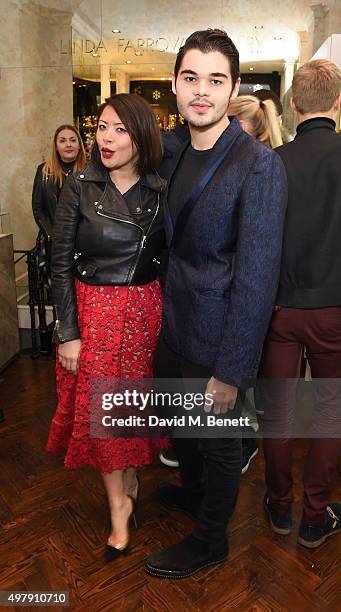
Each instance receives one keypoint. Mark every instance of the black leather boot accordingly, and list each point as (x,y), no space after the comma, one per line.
(186,558)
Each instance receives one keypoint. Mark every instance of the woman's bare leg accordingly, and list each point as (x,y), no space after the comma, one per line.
(121,507)
(130,482)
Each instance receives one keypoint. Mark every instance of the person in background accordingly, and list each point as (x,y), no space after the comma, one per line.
(308,313)
(259,119)
(67,156)
(269,94)
(108,231)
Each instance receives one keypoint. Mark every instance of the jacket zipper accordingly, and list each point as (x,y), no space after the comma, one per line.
(142,245)
(99,204)
(144,236)
(118,219)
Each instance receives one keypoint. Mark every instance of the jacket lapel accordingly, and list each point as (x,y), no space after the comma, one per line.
(169,225)
(221,150)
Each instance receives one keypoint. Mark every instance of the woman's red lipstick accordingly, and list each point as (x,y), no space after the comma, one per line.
(107,153)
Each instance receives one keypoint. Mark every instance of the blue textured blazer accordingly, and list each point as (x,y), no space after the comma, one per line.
(224,260)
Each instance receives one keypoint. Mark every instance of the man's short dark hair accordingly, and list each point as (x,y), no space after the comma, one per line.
(211,40)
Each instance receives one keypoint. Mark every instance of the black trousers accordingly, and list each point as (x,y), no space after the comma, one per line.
(210,468)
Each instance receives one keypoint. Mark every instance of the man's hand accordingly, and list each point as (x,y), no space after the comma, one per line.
(224,396)
(68,355)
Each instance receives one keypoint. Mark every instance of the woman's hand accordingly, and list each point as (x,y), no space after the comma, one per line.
(68,355)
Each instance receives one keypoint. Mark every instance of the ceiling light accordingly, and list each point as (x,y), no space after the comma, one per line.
(153,69)
(73,82)
(128,62)
(251,68)
(259,27)
(116,31)
(138,52)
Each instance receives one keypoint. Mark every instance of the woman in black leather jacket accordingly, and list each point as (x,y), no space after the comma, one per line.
(108,232)
(67,156)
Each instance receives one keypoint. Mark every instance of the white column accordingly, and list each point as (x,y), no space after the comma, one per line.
(287,76)
(105,81)
(286,81)
(122,82)
(306,46)
(320,10)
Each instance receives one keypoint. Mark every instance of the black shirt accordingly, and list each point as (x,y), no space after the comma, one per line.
(140,207)
(191,168)
(67,167)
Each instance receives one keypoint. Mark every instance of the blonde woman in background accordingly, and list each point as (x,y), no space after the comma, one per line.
(258,118)
(67,156)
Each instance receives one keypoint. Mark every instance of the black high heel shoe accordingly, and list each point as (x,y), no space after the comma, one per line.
(111,552)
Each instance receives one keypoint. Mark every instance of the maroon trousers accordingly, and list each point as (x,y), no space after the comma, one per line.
(319,331)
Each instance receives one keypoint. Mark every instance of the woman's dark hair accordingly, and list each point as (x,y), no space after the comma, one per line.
(211,40)
(140,123)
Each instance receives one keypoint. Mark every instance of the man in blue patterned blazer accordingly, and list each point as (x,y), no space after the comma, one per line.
(224,223)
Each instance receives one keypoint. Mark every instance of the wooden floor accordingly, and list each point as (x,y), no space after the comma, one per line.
(54,529)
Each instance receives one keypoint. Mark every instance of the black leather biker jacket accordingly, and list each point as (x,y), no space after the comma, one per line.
(44,201)
(101,241)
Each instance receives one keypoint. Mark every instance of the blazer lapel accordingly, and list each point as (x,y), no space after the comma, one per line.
(220,152)
(169,225)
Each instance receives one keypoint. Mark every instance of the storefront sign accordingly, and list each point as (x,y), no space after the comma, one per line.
(253,46)
(122,45)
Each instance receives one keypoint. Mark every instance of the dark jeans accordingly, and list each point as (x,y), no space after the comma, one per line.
(319,330)
(210,468)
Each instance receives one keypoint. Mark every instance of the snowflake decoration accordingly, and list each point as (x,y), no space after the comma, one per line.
(156,94)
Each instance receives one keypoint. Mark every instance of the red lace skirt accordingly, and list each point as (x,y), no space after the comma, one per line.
(119,329)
